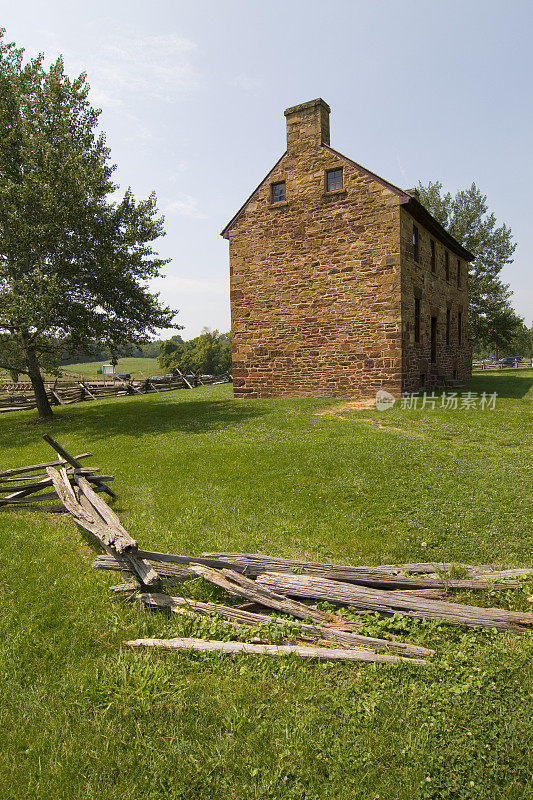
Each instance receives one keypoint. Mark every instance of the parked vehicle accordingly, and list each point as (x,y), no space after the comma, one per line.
(510,361)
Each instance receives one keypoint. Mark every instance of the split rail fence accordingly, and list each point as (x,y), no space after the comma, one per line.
(19,396)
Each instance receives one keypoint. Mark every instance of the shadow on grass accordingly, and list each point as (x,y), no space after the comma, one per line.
(510,384)
(132,417)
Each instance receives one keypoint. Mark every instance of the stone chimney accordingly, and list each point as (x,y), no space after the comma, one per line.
(307,125)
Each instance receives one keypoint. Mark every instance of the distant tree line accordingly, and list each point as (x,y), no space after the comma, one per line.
(207,354)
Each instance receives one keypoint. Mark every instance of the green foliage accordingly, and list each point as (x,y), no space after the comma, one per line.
(73,262)
(207,354)
(82,717)
(492,321)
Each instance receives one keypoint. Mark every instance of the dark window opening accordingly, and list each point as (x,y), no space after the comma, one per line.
(448,320)
(433,340)
(416,243)
(454,375)
(333,179)
(460,328)
(459,272)
(447,265)
(432,255)
(278,192)
(417,319)
(422,380)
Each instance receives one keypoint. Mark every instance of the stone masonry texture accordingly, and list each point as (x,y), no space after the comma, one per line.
(323,284)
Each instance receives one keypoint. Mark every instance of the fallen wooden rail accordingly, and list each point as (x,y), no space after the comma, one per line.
(92,514)
(171,573)
(316,653)
(386,577)
(62,453)
(23,486)
(240,586)
(241,617)
(389,602)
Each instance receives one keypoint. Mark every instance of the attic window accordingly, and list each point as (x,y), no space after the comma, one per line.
(278,192)
(333,179)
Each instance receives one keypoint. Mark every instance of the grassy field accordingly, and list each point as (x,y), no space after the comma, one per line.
(84,719)
(137,367)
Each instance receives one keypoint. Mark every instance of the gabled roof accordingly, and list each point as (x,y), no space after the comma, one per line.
(411,204)
(224,233)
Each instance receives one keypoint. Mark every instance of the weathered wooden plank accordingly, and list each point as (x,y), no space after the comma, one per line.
(21,493)
(389,602)
(87,390)
(184,379)
(44,482)
(43,465)
(124,588)
(73,461)
(31,499)
(316,653)
(113,537)
(242,587)
(171,573)
(251,619)
(176,559)
(386,577)
(42,475)
(114,540)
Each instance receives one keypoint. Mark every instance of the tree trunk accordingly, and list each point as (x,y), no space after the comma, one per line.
(41,398)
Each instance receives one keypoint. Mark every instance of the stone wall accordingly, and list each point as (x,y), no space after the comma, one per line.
(436,294)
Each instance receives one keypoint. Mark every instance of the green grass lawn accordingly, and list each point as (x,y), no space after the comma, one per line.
(84,719)
(137,367)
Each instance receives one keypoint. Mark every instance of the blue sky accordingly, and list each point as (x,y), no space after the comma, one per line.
(193,93)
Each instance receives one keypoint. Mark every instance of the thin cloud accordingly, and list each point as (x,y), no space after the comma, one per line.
(185,206)
(244,82)
(128,64)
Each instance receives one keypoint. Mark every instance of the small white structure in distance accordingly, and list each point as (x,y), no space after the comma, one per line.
(108,369)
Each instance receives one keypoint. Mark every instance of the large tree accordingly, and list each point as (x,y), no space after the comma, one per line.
(492,321)
(74,262)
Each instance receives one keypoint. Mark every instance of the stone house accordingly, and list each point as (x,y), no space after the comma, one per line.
(341,283)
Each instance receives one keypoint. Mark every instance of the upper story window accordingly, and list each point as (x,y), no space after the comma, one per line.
(459,327)
(278,192)
(447,264)
(432,255)
(459,276)
(333,179)
(416,243)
